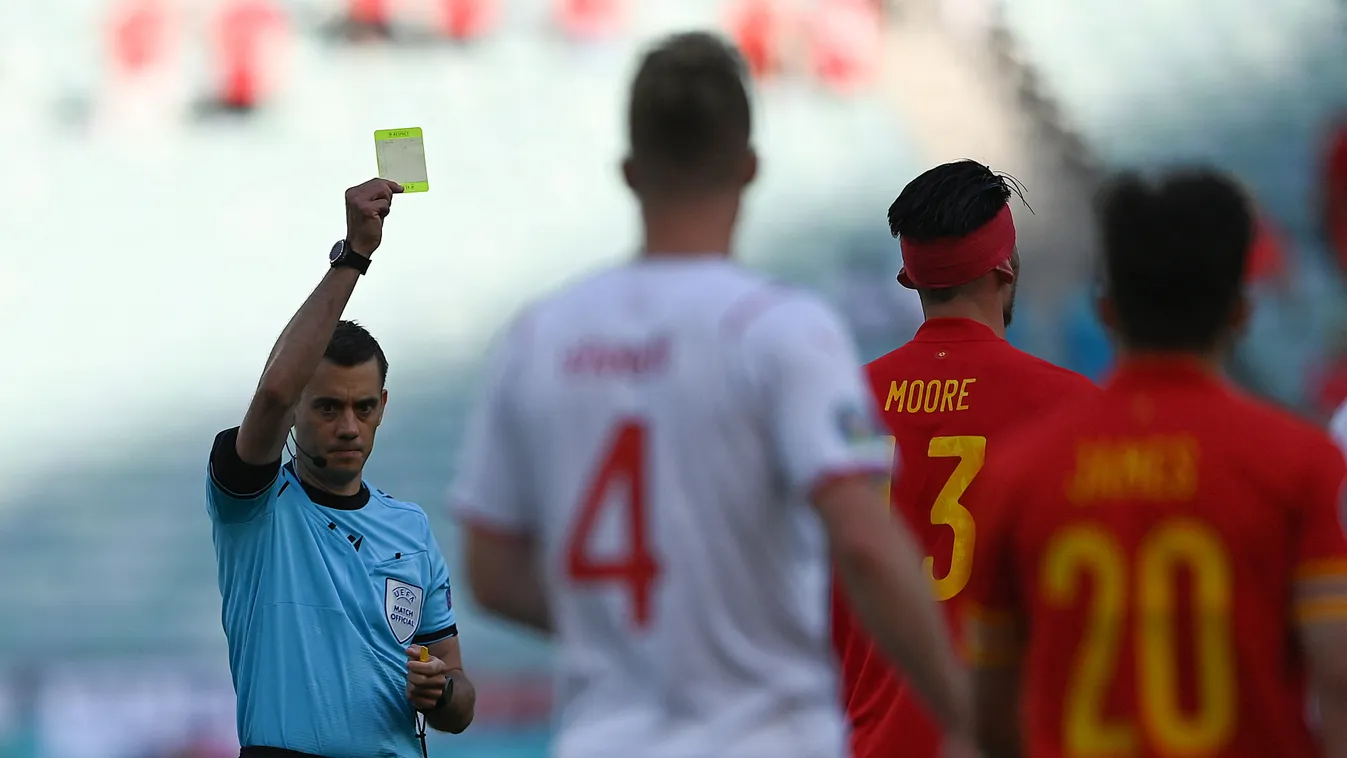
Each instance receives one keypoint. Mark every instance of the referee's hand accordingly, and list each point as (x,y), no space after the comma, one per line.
(366,206)
(425,680)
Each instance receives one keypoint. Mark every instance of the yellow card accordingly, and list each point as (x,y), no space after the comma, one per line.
(402,158)
(425,654)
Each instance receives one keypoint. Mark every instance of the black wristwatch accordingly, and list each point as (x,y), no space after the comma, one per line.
(343,256)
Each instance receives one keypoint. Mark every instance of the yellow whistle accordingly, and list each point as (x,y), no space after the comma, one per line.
(425,654)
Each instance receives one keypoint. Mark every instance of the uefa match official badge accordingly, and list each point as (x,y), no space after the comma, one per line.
(402,608)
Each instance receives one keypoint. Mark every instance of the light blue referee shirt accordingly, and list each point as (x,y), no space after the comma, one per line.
(322,595)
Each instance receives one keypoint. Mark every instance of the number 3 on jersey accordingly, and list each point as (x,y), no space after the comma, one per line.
(947,510)
(618,481)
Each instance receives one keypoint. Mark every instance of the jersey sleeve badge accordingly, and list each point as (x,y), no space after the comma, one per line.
(402,608)
(859,431)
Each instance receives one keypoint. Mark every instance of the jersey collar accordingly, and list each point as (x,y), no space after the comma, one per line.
(954,330)
(1145,371)
(329,500)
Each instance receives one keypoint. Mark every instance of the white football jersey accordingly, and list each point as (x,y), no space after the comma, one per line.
(659,429)
(1337,427)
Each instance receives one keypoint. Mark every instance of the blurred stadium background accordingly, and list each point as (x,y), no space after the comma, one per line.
(173,181)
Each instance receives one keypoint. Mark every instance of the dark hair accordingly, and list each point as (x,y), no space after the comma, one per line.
(353,345)
(688,118)
(1174,254)
(950,200)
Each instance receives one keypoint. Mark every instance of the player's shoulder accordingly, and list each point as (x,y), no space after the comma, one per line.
(561,306)
(1027,368)
(1049,373)
(769,308)
(898,359)
(1283,436)
(405,507)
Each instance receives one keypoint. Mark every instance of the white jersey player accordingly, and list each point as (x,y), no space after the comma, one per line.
(665,458)
(1337,427)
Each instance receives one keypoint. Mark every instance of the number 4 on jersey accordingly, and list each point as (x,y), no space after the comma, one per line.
(621,466)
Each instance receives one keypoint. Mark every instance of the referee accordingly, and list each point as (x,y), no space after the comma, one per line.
(331,588)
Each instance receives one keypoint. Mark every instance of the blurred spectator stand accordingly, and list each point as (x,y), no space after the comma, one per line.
(250,38)
(468,20)
(369,19)
(760,28)
(144,66)
(590,20)
(845,43)
(139,36)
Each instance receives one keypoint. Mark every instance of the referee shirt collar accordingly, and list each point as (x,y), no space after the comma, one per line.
(329,500)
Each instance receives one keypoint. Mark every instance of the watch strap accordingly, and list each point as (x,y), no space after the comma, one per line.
(349,258)
(446,695)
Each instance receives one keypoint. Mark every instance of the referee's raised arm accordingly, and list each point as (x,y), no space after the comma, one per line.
(295,357)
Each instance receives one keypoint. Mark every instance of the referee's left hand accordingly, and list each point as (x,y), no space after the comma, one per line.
(425,680)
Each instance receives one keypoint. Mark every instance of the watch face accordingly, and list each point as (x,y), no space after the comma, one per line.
(337,250)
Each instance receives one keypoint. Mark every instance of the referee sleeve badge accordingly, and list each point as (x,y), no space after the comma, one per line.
(402,608)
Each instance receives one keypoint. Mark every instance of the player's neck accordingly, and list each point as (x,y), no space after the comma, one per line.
(1211,360)
(989,315)
(310,477)
(703,226)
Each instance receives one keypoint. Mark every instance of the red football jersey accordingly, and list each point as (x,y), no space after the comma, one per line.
(949,397)
(1147,558)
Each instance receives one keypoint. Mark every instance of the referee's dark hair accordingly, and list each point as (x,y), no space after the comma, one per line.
(689,120)
(1175,250)
(353,345)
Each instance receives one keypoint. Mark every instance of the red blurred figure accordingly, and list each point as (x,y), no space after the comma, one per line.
(246,35)
(590,19)
(465,20)
(1328,381)
(1267,259)
(145,86)
(369,13)
(758,28)
(139,35)
(845,40)
(1335,194)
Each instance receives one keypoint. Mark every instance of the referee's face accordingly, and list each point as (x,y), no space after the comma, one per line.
(337,418)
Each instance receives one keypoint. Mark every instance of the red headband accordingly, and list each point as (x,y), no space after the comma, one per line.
(959,260)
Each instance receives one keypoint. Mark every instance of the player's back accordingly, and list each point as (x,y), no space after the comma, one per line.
(1156,535)
(951,394)
(949,397)
(688,587)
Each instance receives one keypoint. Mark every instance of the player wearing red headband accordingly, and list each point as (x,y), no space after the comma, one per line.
(949,397)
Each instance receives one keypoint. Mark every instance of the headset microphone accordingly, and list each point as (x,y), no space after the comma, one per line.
(318,461)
